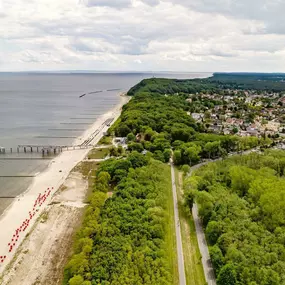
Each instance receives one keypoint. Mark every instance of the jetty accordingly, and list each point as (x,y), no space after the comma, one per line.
(116,89)
(99,91)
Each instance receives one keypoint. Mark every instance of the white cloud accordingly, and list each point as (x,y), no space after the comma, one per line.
(108,3)
(190,35)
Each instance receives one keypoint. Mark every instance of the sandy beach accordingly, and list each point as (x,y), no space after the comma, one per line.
(18,220)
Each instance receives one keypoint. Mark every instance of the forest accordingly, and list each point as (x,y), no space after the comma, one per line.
(241,202)
(125,239)
(257,81)
(218,83)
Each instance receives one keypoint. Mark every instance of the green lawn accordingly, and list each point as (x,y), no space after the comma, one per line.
(105,140)
(192,257)
(171,236)
(98,153)
(86,167)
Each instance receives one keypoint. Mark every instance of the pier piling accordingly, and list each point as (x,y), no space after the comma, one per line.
(46,149)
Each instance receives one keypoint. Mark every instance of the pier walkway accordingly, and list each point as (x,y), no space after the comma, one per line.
(55,149)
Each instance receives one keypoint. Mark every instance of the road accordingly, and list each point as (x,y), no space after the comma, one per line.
(203,247)
(180,258)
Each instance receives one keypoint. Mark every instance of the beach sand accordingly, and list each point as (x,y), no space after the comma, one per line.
(41,257)
(24,211)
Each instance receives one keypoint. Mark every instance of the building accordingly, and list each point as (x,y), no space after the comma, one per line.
(197,116)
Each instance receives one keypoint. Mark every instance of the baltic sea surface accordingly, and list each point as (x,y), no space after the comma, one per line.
(37,105)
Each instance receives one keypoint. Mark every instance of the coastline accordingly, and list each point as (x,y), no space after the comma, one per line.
(30,204)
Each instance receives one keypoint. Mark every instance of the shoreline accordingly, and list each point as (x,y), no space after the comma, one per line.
(23,212)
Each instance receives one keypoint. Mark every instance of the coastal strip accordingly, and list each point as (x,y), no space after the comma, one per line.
(27,208)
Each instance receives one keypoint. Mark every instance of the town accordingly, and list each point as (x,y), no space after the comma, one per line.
(244,113)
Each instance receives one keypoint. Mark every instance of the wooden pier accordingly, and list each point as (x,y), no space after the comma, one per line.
(68,130)
(17,176)
(25,158)
(43,149)
(49,150)
(79,122)
(8,197)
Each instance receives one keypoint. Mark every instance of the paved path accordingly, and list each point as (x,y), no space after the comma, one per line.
(206,260)
(203,247)
(180,258)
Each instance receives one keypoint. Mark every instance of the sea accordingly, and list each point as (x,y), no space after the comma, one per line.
(53,109)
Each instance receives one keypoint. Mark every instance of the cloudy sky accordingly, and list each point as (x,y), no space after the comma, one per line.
(142,35)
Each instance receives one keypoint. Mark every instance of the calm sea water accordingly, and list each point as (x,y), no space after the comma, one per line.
(43,105)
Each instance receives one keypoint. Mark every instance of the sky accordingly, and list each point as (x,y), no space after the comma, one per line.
(142,35)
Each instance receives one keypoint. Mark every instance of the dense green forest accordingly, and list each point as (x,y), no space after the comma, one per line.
(125,239)
(242,203)
(171,86)
(215,84)
(256,81)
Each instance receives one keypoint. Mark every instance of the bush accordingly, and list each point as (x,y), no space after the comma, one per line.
(186,169)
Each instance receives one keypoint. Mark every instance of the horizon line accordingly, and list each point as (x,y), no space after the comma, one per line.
(74,71)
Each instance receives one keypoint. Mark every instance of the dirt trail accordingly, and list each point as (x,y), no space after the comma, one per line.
(42,256)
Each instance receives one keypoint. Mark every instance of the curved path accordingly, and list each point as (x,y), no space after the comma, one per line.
(206,260)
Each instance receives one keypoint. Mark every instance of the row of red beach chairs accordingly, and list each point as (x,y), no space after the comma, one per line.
(25,224)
